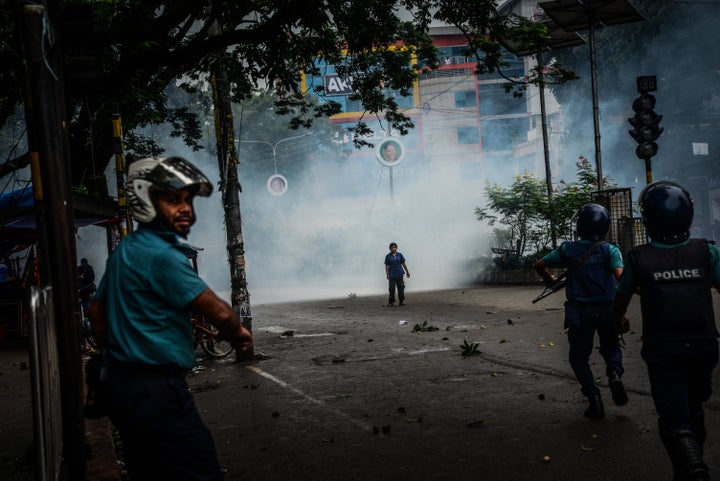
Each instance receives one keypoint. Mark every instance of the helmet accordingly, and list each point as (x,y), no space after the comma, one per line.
(667,212)
(593,222)
(161,174)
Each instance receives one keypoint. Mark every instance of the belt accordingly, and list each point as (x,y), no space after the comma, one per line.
(141,369)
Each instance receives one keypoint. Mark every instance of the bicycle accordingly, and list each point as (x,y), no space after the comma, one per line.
(205,334)
(207,337)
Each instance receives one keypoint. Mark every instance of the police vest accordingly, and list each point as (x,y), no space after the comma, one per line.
(591,281)
(675,291)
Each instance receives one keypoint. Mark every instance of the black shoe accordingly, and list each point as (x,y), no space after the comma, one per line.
(687,456)
(391,303)
(402,303)
(619,395)
(596,409)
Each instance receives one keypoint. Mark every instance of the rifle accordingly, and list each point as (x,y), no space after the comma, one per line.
(560,281)
(553,288)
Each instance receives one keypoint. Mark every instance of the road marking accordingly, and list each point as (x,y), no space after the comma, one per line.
(295,390)
(284,330)
(417,352)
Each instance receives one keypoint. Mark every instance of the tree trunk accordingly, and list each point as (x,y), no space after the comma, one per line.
(230,189)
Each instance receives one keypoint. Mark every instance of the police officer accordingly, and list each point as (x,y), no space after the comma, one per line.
(593,267)
(675,274)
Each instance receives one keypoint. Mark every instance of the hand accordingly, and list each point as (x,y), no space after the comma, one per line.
(241,339)
(549,281)
(408,274)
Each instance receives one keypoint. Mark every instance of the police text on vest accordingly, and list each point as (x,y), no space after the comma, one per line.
(677,274)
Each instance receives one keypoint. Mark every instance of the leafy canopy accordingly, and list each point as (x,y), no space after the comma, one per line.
(126,53)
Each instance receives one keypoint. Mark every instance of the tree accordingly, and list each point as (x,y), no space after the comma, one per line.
(524,210)
(128,53)
(518,207)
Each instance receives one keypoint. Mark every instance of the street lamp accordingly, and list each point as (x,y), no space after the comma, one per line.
(277,184)
(275,145)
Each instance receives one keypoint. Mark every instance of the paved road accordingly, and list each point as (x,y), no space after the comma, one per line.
(347,391)
(354,394)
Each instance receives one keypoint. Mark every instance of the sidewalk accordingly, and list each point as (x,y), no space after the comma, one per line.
(16,427)
(17,452)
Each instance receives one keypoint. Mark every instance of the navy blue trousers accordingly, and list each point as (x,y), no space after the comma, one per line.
(398,282)
(582,322)
(680,375)
(163,435)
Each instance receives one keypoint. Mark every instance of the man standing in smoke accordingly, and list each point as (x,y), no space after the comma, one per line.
(395,270)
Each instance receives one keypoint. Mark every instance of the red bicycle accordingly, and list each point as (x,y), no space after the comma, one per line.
(207,337)
(205,334)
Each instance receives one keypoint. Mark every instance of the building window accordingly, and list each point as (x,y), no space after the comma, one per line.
(503,134)
(700,148)
(468,135)
(465,98)
(495,101)
(514,67)
(453,55)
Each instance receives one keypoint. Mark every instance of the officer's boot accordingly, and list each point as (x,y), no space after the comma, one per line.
(619,396)
(687,457)
(595,409)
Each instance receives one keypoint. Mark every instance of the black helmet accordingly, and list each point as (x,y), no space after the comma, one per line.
(667,212)
(593,222)
(161,174)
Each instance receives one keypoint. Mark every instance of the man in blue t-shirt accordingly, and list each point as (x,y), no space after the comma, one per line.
(593,267)
(395,270)
(141,314)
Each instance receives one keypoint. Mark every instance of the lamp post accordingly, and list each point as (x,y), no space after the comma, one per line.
(275,145)
(557,38)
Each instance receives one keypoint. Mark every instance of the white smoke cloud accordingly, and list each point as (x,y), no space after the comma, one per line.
(328,235)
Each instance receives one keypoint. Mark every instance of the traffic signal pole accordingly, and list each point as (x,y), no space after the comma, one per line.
(648,171)
(596,108)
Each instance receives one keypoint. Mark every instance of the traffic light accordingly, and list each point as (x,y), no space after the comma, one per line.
(646,128)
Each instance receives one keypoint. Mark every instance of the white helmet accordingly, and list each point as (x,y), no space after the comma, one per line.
(161,174)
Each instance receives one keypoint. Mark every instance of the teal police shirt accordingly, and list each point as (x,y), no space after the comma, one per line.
(557,256)
(148,288)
